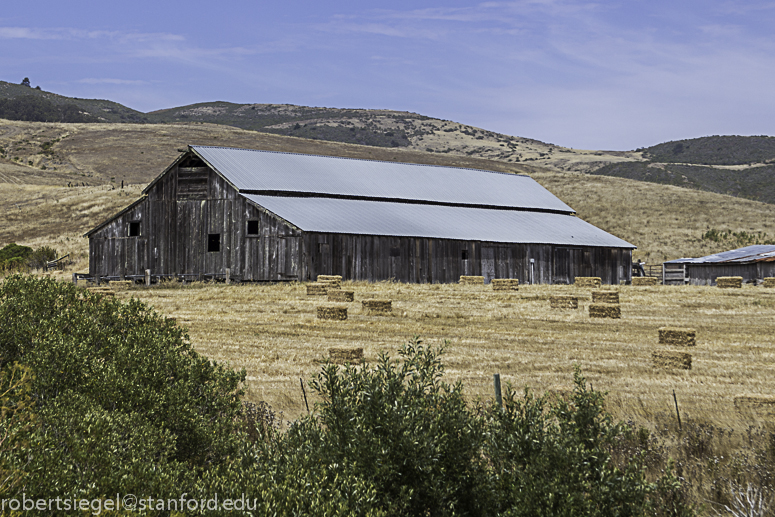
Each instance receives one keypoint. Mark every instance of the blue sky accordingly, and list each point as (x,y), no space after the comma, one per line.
(591,75)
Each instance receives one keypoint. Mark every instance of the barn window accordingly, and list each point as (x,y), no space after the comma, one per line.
(464,255)
(134,228)
(253,227)
(214,242)
(395,251)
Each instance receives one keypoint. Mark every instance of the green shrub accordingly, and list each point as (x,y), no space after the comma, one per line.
(114,383)
(41,256)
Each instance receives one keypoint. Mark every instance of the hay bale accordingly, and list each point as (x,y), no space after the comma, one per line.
(605,310)
(640,281)
(667,359)
(337,295)
(471,280)
(334,281)
(769,282)
(332,313)
(105,291)
(505,284)
(588,281)
(677,336)
(377,306)
(758,403)
(564,302)
(317,289)
(729,282)
(120,285)
(605,297)
(346,355)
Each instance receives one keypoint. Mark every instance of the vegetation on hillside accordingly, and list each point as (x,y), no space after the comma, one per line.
(754,183)
(22,258)
(714,150)
(102,397)
(38,109)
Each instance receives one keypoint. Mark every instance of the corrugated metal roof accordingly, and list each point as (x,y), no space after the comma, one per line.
(435,221)
(748,254)
(286,172)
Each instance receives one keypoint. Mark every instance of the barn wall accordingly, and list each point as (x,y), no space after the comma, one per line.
(422,260)
(706,274)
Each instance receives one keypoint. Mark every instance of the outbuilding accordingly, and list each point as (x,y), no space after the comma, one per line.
(270,216)
(753,263)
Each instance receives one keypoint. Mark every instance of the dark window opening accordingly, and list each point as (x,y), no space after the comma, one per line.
(134,228)
(214,242)
(395,252)
(464,255)
(252,227)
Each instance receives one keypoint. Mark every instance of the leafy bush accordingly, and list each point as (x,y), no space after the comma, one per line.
(14,257)
(122,398)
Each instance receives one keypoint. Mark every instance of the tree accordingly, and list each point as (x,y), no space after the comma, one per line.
(26,82)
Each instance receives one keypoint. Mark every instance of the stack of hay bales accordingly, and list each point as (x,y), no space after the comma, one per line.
(120,285)
(338,295)
(564,302)
(346,355)
(605,310)
(727,282)
(674,336)
(332,281)
(377,307)
(332,313)
(471,280)
(605,297)
(644,280)
(505,284)
(769,282)
(764,404)
(105,291)
(588,281)
(317,289)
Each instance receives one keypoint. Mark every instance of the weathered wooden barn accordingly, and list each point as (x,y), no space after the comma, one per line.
(753,263)
(269,216)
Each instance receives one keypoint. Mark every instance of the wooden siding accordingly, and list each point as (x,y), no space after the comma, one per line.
(706,274)
(191,201)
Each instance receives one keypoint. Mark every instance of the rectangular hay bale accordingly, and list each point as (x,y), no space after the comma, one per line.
(588,281)
(505,284)
(471,280)
(346,355)
(729,282)
(605,310)
(377,306)
(677,336)
(317,289)
(769,282)
(106,291)
(640,281)
(332,313)
(337,295)
(668,359)
(605,297)
(564,302)
(120,285)
(758,403)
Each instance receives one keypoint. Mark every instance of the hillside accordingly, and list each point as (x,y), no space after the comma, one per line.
(38,207)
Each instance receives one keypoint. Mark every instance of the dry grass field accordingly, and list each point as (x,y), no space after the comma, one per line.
(272,331)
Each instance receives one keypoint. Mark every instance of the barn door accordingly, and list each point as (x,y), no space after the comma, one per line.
(288,256)
(488,263)
(192,238)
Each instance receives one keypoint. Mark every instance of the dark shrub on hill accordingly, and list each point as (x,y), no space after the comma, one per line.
(34,108)
(714,150)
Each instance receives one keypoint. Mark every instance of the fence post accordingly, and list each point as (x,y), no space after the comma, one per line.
(75,279)
(147,277)
(228,275)
(496,381)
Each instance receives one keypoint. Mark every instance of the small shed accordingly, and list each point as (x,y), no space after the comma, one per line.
(753,263)
(270,216)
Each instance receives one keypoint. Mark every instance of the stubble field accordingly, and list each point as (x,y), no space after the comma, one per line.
(272,332)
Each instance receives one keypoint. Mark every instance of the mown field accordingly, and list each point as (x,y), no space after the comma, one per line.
(272,331)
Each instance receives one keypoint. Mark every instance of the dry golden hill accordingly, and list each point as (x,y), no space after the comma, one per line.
(59,180)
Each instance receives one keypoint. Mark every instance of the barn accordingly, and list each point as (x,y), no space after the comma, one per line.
(753,263)
(270,216)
